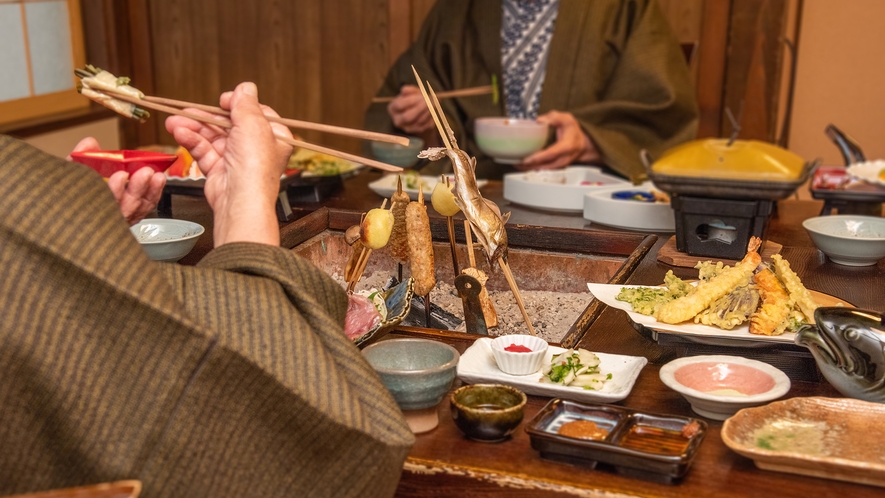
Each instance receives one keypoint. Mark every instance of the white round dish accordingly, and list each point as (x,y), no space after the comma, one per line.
(165,239)
(557,190)
(717,386)
(516,363)
(850,240)
(600,207)
(868,171)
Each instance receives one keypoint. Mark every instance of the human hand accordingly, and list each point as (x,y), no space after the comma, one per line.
(409,112)
(572,145)
(137,194)
(242,165)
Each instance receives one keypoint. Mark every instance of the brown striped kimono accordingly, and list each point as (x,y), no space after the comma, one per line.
(232,378)
(614,64)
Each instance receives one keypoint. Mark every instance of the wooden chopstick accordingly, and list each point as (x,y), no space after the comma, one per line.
(464,92)
(224,123)
(291,123)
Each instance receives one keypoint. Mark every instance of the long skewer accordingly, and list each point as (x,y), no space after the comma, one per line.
(223,123)
(434,107)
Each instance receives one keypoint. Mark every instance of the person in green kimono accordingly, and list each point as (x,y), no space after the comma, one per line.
(608,76)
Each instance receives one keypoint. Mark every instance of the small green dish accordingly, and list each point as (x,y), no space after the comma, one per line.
(488,412)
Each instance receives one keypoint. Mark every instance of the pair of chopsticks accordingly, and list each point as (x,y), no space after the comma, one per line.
(464,92)
(172,106)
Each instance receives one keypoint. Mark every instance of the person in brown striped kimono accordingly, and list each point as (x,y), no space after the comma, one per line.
(232,378)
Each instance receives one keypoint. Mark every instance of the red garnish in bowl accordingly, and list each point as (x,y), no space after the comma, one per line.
(517,348)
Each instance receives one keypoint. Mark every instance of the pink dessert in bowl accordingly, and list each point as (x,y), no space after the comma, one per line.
(717,386)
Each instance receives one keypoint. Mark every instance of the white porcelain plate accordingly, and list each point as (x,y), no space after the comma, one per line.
(601,207)
(557,190)
(868,171)
(477,365)
(386,186)
(738,336)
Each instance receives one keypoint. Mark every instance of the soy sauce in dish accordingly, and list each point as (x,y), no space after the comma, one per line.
(655,440)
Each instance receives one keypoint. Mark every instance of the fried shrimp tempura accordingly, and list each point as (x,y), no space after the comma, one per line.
(707,292)
(772,317)
(798,293)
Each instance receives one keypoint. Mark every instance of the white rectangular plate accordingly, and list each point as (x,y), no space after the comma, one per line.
(477,365)
(386,186)
(607,292)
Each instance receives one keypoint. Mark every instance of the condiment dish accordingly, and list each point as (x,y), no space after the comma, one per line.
(165,239)
(849,240)
(488,412)
(511,355)
(717,386)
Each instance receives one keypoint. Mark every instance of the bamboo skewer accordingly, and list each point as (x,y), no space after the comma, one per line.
(468,235)
(291,123)
(437,114)
(226,124)
(464,92)
(360,266)
(509,276)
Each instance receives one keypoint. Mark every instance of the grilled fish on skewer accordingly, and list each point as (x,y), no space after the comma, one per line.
(484,216)
(398,247)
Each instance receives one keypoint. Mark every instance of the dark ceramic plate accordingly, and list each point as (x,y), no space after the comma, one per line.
(398,300)
(648,445)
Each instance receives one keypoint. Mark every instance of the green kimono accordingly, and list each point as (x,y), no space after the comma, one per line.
(233,378)
(614,64)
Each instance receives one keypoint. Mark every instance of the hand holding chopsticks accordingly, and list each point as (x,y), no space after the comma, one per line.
(106,91)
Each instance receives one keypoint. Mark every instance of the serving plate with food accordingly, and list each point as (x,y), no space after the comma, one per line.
(820,437)
(869,171)
(412,180)
(731,303)
(611,381)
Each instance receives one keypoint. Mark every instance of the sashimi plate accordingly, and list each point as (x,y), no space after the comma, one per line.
(477,366)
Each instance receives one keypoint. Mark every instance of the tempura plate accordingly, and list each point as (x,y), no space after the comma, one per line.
(607,293)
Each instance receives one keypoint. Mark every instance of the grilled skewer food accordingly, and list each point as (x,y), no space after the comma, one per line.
(398,247)
(420,246)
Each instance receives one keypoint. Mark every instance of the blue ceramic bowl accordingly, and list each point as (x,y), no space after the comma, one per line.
(417,372)
(404,156)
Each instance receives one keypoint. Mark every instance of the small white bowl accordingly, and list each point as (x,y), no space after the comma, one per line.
(509,140)
(850,240)
(514,363)
(165,239)
(717,386)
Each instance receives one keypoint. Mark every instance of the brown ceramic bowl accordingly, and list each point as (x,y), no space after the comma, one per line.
(487,412)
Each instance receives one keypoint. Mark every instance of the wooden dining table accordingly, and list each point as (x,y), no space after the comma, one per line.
(443,462)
